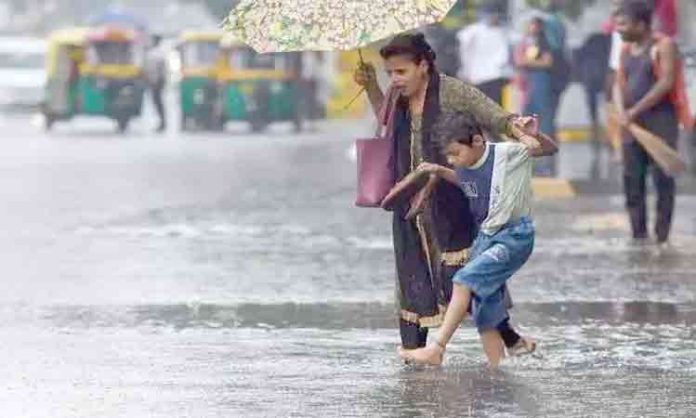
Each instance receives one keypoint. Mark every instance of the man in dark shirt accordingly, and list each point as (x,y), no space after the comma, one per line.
(645,79)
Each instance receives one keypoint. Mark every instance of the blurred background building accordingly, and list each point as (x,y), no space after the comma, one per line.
(172,16)
(162,16)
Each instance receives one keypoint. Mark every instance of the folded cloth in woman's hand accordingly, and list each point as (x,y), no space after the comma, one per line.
(403,191)
(413,189)
(418,200)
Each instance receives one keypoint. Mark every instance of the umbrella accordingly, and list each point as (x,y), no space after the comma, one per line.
(328,25)
(119,17)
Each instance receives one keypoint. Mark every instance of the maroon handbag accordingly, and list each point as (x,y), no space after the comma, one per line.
(375,175)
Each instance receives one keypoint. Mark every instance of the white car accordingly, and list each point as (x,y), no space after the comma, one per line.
(22,73)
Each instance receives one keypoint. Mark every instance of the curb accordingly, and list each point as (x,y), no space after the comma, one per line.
(556,189)
(545,188)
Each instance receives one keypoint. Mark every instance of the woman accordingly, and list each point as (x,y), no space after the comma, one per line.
(534,58)
(429,250)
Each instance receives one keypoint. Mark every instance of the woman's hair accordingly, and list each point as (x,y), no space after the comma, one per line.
(639,11)
(455,127)
(539,21)
(412,45)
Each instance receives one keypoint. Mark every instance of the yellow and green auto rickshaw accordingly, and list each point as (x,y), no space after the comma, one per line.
(259,88)
(200,57)
(95,71)
(65,54)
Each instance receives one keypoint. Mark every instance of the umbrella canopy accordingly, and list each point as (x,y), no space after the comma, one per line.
(328,25)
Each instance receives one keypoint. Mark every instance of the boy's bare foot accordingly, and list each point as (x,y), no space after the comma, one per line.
(523,347)
(431,355)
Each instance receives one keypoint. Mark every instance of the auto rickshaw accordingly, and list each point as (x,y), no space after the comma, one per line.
(199,53)
(260,88)
(97,72)
(64,55)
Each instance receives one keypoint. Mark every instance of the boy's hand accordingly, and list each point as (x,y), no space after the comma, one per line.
(624,121)
(627,117)
(524,129)
(524,125)
(529,124)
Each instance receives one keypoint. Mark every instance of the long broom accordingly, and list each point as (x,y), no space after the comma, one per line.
(613,132)
(665,156)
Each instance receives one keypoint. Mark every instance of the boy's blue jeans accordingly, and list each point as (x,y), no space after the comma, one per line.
(494,259)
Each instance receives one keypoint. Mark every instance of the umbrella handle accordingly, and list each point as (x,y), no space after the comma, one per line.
(353,99)
(362,63)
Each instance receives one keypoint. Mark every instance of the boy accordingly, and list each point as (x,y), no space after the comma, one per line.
(496,179)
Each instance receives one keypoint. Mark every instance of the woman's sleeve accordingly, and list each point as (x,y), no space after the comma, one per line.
(488,113)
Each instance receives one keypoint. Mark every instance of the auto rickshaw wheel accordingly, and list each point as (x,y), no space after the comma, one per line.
(298,123)
(258,124)
(48,122)
(122,124)
(218,123)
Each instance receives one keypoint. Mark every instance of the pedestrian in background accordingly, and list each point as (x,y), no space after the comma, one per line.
(591,65)
(156,75)
(484,49)
(533,58)
(555,32)
(616,44)
(314,90)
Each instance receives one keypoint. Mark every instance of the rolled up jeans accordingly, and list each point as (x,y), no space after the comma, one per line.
(494,259)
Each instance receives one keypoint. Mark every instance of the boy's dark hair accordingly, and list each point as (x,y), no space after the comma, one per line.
(412,45)
(639,11)
(455,127)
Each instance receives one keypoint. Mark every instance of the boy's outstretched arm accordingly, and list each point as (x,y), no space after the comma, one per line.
(543,146)
(540,145)
(442,172)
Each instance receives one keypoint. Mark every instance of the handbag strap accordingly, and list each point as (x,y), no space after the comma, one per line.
(387,111)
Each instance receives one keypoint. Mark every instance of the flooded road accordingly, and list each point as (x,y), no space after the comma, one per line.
(230,275)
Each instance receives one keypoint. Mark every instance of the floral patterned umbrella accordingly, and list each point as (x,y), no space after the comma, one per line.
(327,25)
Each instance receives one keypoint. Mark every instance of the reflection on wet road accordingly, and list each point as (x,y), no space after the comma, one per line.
(229,275)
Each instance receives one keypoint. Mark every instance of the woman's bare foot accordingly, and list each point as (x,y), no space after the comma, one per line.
(430,355)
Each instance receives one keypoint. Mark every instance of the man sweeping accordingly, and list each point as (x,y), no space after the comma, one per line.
(646,93)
